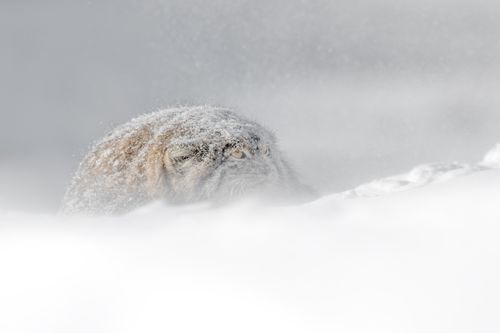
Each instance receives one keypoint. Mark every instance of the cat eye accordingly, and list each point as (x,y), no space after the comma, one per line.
(181,154)
(180,159)
(238,154)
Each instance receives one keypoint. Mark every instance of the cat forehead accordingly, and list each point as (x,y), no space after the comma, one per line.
(220,139)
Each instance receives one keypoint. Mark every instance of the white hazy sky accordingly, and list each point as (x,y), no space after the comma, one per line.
(354,89)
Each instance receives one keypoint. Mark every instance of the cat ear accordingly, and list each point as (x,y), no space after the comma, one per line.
(157,168)
(168,163)
(116,155)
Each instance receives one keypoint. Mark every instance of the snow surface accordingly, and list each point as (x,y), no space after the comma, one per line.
(423,260)
(424,175)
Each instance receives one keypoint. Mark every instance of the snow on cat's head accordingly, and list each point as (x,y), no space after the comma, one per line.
(182,155)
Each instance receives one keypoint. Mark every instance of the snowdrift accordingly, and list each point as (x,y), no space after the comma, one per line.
(424,260)
(424,175)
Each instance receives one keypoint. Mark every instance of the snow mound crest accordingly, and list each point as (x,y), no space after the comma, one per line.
(492,158)
(424,175)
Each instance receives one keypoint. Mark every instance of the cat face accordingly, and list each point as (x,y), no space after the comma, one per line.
(218,169)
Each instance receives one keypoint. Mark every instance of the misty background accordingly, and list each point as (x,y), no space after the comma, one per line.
(354,90)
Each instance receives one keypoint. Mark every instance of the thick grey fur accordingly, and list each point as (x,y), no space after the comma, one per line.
(181,155)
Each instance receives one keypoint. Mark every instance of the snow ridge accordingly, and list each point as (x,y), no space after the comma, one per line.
(423,175)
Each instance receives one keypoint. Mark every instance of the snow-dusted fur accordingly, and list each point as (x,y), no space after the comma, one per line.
(183,155)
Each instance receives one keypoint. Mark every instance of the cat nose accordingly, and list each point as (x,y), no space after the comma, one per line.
(264,168)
